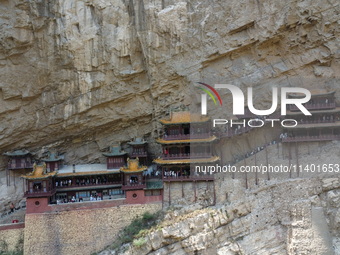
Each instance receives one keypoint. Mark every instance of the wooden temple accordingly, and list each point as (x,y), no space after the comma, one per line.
(139,150)
(186,142)
(322,125)
(40,188)
(18,161)
(116,157)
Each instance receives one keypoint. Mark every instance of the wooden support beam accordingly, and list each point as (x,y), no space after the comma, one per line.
(214,192)
(290,158)
(267,162)
(297,158)
(195,191)
(169,193)
(256,177)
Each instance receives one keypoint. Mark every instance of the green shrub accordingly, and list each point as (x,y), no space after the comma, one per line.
(137,229)
(139,242)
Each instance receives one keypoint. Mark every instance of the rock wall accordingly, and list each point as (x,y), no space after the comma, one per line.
(80,75)
(78,231)
(263,220)
(11,238)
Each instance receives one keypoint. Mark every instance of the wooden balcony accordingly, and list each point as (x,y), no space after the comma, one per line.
(186,136)
(19,166)
(317,106)
(185,156)
(134,186)
(190,178)
(85,186)
(40,193)
(311,138)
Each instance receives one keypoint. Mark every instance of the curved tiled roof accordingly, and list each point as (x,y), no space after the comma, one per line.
(184,117)
(39,172)
(186,161)
(133,166)
(199,140)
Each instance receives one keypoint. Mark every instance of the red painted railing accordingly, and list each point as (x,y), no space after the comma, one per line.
(87,185)
(189,178)
(133,186)
(186,136)
(186,155)
(39,193)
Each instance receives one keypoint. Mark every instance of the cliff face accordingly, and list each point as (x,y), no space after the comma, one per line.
(78,75)
(265,220)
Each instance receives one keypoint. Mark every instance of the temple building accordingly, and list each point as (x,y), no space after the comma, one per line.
(18,161)
(186,142)
(87,182)
(136,186)
(322,125)
(40,188)
(116,157)
(53,161)
(139,149)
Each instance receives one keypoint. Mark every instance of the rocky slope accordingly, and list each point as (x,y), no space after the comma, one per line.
(265,220)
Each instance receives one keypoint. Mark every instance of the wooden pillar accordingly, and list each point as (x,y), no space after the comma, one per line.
(182,190)
(297,158)
(267,162)
(290,157)
(169,194)
(246,175)
(7,181)
(195,191)
(214,192)
(256,178)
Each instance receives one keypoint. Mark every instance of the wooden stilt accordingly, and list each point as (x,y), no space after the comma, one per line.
(182,190)
(214,192)
(297,158)
(169,194)
(290,158)
(195,191)
(7,182)
(308,148)
(267,162)
(256,177)
(246,175)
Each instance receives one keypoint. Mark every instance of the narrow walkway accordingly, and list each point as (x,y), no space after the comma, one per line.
(16,215)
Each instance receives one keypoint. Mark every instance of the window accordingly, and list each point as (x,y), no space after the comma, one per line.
(82,194)
(115,192)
